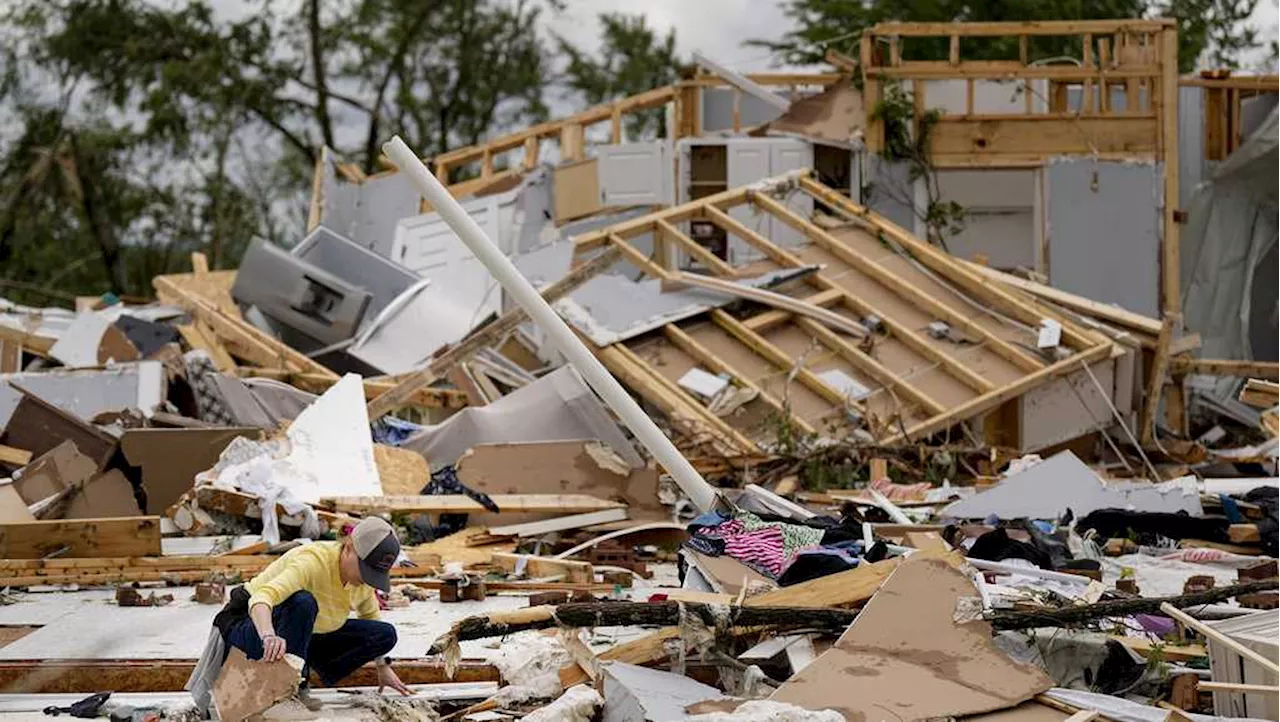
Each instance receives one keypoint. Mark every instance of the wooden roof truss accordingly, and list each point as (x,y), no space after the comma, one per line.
(917,384)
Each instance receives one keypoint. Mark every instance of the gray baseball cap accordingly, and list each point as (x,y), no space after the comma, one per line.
(376,544)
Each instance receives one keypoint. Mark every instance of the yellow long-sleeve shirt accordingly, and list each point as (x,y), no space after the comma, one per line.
(314,568)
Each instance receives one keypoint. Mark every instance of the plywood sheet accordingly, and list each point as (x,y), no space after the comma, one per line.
(80,538)
(906,658)
(576,189)
(401,471)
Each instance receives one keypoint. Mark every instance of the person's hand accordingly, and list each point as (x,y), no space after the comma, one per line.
(387,678)
(273,648)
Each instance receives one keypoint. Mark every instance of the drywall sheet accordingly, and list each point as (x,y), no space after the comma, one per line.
(906,658)
(88,393)
(556,407)
(332,447)
(640,694)
(889,190)
(1067,407)
(1047,489)
(1104,221)
(999,220)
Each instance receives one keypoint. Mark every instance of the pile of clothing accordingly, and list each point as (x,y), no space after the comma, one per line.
(782,550)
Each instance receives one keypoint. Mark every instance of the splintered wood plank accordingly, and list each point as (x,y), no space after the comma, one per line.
(458,503)
(120,537)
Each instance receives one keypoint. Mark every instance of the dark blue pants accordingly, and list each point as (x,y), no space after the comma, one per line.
(334,655)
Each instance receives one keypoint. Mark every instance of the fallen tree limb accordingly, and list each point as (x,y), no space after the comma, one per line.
(614,614)
(1119,608)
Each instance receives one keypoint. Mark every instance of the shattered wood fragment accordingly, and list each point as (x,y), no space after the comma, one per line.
(71,676)
(1069,616)
(238,503)
(13,456)
(458,503)
(535,567)
(127,536)
(613,614)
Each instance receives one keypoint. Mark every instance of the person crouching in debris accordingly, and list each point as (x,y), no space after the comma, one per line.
(301,604)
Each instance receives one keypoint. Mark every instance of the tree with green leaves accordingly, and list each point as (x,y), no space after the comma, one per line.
(148,130)
(633,58)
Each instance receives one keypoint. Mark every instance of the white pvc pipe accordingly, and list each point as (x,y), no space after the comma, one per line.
(702,494)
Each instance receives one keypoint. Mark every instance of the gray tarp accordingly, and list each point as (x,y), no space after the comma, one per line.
(556,407)
(1228,253)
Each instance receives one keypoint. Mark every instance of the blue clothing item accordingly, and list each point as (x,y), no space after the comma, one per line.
(333,656)
(1045,527)
(1231,509)
(392,431)
(707,518)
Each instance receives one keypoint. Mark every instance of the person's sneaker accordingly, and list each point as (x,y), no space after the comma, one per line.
(304,696)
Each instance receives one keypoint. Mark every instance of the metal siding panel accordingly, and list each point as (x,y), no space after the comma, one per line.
(1104,231)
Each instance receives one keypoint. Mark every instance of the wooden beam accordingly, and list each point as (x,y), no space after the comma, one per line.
(196,339)
(776,300)
(900,331)
(238,503)
(641,261)
(994,398)
(713,262)
(38,345)
(890,280)
(462,504)
(1186,620)
(674,214)
(536,567)
(1266,370)
(251,343)
(863,362)
(1101,311)
(1030,27)
(704,356)
(396,396)
(1169,243)
(779,358)
(84,676)
(374,386)
(948,266)
(737,438)
(14,457)
(1155,383)
(1239,687)
(123,536)
(766,320)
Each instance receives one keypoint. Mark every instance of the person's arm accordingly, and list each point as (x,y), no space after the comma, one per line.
(273,647)
(293,578)
(387,677)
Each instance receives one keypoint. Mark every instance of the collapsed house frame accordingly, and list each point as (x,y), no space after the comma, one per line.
(917,384)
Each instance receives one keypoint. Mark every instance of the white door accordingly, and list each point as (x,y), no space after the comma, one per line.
(636,174)
(786,154)
(427,246)
(748,161)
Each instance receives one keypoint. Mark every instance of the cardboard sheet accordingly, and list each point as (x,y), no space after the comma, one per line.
(556,407)
(906,659)
(171,458)
(1061,482)
(560,467)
